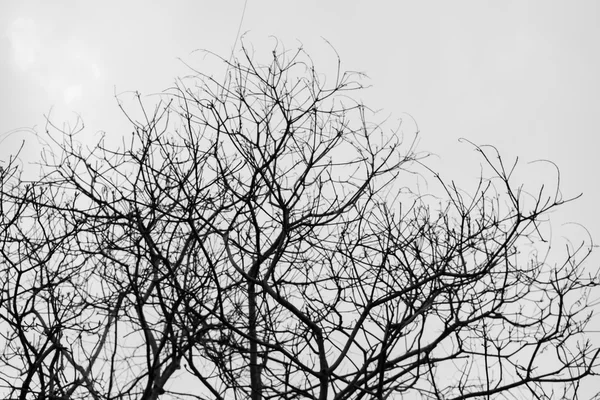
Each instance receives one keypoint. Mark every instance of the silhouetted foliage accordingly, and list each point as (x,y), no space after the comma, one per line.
(261,238)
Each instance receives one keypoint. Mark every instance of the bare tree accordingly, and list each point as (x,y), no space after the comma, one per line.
(261,238)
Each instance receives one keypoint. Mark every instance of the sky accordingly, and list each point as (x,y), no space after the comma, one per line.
(519,75)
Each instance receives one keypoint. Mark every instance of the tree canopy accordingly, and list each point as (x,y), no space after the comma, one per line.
(264,237)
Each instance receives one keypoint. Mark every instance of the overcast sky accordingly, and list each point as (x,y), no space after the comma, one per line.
(521,75)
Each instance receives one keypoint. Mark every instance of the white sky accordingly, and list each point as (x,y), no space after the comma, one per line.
(522,75)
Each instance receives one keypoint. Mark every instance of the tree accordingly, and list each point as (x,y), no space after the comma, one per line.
(261,238)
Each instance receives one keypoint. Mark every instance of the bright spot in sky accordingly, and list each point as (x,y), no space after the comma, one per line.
(25,42)
(72,93)
(63,66)
(96,71)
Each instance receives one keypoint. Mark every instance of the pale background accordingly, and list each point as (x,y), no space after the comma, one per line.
(522,75)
